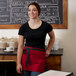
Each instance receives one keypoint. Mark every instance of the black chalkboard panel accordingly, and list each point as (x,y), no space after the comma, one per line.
(15,11)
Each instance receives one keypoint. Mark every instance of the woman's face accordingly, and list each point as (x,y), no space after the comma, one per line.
(32,12)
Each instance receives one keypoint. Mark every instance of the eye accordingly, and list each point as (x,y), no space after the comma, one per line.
(29,10)
(34,9)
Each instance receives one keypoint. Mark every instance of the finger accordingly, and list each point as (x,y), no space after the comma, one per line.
(18,70)
(21,69)
(47,55)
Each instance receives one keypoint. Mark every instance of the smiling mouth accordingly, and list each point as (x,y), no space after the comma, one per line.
(31,15)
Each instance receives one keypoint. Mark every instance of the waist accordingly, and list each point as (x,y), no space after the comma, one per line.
(41,46)
(33,48)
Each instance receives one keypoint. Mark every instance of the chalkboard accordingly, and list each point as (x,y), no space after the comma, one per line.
(15,11)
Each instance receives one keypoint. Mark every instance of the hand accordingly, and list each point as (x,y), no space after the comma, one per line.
(47,53)
(19,68)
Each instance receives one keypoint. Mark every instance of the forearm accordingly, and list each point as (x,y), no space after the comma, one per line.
(19,54)
(50,44)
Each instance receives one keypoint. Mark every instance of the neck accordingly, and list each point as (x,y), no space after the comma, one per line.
(34,20)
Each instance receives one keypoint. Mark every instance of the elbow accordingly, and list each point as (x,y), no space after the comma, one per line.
(20,45)
(52,39)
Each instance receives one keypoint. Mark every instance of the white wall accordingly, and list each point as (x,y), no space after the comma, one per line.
(8,33)
(67,38)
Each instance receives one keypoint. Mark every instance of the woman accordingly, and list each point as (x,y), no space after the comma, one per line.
(31,57)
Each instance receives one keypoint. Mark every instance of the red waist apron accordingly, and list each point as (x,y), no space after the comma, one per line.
(33,59)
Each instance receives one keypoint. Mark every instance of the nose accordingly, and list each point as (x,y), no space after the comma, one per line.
(31,11)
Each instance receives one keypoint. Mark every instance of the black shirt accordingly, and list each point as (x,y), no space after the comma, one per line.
(35,37)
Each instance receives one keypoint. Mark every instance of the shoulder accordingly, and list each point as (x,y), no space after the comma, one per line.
(22,29)
(23,25)
(46,24)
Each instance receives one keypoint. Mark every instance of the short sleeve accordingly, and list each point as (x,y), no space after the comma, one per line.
(21,31)
(49,28)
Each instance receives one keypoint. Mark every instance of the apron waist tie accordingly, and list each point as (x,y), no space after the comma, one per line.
(28,56)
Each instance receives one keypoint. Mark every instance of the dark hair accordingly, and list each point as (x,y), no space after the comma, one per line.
(37,6)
